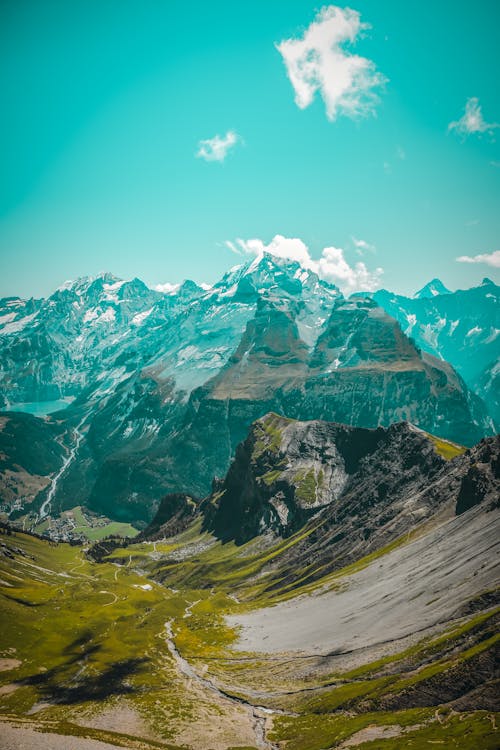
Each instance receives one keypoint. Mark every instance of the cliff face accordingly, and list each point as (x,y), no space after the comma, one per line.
(362,371)
(356,489)
(286,471)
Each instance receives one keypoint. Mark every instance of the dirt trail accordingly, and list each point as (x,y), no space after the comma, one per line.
(258,714)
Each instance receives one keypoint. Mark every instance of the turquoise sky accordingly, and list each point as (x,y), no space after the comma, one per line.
(104,104)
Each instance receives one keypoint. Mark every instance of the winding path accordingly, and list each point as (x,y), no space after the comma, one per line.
(258,714)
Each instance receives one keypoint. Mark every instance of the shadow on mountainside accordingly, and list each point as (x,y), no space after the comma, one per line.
(61,685)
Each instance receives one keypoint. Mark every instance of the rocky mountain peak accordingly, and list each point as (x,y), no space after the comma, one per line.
(286,471)
(432,289)
(269,274)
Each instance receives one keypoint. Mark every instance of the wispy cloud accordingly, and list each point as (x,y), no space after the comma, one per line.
(362,246)
(472,121)
(318,61)
(217,148)
(491,259)
(332,265)
(400,153)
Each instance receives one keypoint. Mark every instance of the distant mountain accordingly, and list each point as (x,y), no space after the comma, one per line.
(432,289)
(165,386)
(461,327)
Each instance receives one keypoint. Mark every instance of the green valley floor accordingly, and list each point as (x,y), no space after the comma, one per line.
(175,645)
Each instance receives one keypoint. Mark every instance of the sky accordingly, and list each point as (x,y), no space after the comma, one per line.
(172,140)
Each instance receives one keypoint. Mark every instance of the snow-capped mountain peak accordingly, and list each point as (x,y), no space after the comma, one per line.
(432,289)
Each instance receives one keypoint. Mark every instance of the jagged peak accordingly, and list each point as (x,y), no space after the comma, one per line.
(432,289)
(84,282)
(266,272)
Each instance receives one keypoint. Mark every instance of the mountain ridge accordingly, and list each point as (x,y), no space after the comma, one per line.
(160,381)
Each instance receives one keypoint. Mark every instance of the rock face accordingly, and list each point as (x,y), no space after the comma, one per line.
(165,382)
(481,483)
(281,475)
(175,513)
(462,328)
(364,488)
(286,471)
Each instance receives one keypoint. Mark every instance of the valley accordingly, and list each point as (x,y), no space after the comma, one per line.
(139,651)
(189,638)
(249,376)
(264,517)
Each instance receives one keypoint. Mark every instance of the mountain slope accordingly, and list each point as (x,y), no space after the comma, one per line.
(432,289)
(368,486)
(165,382)
(365,640)
(462,328)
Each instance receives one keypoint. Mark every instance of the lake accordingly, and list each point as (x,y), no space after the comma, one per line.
(41,408)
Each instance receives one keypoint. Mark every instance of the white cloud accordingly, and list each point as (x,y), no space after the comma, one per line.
(332,265)
(472,121)
(216,148)
(166,288)
(362,246)
(491,259)
(319,62)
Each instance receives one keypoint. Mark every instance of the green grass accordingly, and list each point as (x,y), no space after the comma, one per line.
(306,488)
(446,448)
(71,621)
(268,434)
(94,533)
(419,730)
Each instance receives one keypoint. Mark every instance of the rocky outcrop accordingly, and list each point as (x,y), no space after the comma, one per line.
(175,513)
(481,483)
(286,471)
(362,488)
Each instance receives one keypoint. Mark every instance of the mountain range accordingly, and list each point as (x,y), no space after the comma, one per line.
(158,383)
(314,488)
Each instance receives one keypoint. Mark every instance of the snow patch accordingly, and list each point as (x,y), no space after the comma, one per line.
(108,316)
(140,317)
(113,287)
(7,318)
(90,315)
(167,288)
(18,325)
(474,331)
(494,333)
(412,319)
(230,292)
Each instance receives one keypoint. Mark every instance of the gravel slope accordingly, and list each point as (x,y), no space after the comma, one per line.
(405,592)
